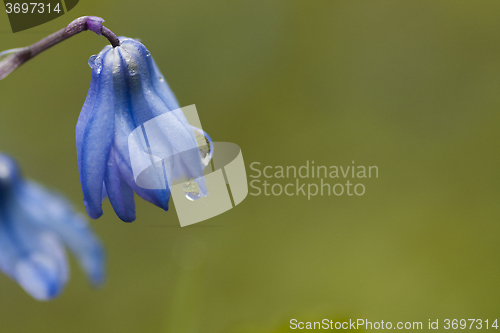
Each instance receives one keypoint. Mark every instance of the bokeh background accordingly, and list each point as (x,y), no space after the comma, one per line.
(409,86)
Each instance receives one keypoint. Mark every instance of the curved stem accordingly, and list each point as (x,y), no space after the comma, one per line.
(110,36)
(17,57)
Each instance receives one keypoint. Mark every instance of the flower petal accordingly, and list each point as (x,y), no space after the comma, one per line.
(121,196)
(158,198)
(97,140)
(53,213)
(167,131)
(90,101)
(32,256)
(43,274)
(131,109)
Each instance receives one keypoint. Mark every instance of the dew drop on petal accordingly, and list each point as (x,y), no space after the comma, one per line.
(97,64)
(161,78)
(205,145)
(191,190)
(132,66)
(92,60)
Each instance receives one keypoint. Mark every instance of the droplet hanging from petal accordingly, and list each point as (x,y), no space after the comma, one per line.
(191,190)
(92,60)
(205,145)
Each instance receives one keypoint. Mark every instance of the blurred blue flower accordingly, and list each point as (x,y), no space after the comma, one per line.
(127,91)
(35,224)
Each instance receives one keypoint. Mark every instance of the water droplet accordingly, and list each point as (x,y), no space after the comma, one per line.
(205,145)
(161,78)
(132,68)
(92,60)
(191,190)
(131,65)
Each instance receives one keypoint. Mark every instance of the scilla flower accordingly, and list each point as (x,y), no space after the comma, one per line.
(127,91)
(35,225)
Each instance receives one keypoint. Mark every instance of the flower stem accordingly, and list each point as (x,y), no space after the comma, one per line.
(17,57)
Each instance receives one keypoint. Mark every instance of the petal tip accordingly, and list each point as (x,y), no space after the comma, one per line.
(93,212)
(40,279)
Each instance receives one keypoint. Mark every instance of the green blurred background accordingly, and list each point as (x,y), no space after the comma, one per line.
(409,86)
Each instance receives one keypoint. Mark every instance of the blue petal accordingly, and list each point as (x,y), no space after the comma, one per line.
(161,86)
(121,196)
(39,274)
(97,140)
(171,140)
(172,133)
(54,214)
(157,79)
(131,110)
(32,256)
(158,198)
(158,83)
(90,101)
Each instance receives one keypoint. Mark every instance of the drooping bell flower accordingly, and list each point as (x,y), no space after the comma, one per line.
(127,91)
(35,226)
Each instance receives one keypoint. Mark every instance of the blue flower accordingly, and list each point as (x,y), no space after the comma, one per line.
(35,224)
(126,92)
